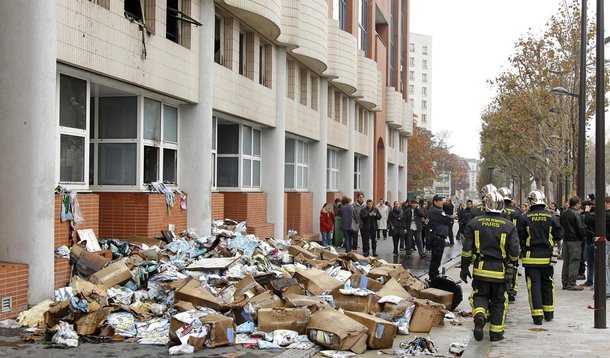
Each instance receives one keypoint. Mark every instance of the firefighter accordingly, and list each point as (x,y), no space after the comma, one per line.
(491,243)
(513,214)
(479,209)
(438,229)
(538,229)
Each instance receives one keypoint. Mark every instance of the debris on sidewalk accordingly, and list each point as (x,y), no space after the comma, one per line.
(418,346)
(230,288)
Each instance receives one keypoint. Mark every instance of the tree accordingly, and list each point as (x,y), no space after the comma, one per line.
(420,173)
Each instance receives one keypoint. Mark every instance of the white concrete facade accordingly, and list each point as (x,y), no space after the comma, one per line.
(420,78)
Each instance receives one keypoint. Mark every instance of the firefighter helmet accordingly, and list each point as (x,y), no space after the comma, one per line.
(536,197)
(494,202)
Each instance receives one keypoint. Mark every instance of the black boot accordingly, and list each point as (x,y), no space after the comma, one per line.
(511,297)
(494,336)
(479,323)
(537,320)
(548,316)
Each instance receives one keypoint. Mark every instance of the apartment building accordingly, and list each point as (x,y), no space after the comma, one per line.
(420,78)
(258,110)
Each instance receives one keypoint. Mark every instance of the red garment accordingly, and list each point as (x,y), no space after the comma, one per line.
(326,221)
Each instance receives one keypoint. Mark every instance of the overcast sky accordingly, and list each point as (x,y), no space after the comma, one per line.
(471,42)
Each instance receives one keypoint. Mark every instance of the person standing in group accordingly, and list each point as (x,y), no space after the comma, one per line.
(358,206)
(396,225)
(538,229)
(382,224)
(553,209)
(573,237)
(449,209)
(589,227)
(369,216)
(413,220)
(479,209)
(491,241)
(348,224)
(524,208)
(464,217)
(513,214)
(438,225)
(327,219)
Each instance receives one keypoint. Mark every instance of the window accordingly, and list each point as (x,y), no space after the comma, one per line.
(242,53)
(362,120)
(214,152)
(262,59)
(314,93)
(412,61)
(238,162)
(133,9)
(424,50)
(424,104)
(296,169)
(412,102)
(401,144)
(392,54)
(332,172)
(424,64)
(178,22)
(391,139)
(411,88)
(424,91)
(338,106)
(340,13)
(357,172)
(411,75)
(424,77)
(103,3)
(344,110)
(304,86)
(160,142)
(73,94)
(411,47)
(291,69)
(424,118)
(330,105)
(363,10)
(219,40)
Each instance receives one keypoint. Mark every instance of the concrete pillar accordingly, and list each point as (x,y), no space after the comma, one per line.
(405,185)
(346,177)
(395,177)
(318,158)
(368,163)
(273,155)
(29,139)
(196,132)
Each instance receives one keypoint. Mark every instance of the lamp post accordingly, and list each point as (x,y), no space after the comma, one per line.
(600,175)
(491,170)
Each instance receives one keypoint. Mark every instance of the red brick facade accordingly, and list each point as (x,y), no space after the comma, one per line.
(332,195)
(218,206)
(14,285)
(298,207)
(251,207)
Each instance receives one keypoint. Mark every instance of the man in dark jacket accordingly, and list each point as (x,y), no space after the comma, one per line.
(573,236)
(449,209)
(368,227)
(465,215)
(438,230)
(589,226)
(413,223)
(396,225)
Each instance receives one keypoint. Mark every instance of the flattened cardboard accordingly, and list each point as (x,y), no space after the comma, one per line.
(426,314)
(264,300)
(313,303)
(87,263)
(294,319)
(295,251)
(183,306)
(380,272)
(381,332)
(283,286)
(143,240)
(359,280)
(356,303)
(190,290)
(324,255)
(390,311)
(115,274)
(222,332)
(247,288)
(89,323)
(392,287)
(437,295)
(216,263)
(317,281)
(347,334)
(56,312)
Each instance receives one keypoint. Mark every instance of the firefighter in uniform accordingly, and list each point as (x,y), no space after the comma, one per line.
(491,243)
(479,209)
(538,229)
(513,214)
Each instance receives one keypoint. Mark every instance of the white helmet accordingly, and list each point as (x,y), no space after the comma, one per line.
(506,193)
(536,197)
(488,188)
(494,202)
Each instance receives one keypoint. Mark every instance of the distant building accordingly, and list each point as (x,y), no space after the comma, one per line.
(473,173)
(420,78)
(442,184)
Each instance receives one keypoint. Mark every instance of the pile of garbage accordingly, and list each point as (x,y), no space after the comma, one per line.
(195,292)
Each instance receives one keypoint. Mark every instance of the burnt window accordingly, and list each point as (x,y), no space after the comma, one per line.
(133,9)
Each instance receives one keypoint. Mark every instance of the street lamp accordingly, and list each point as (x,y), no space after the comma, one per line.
(491,170)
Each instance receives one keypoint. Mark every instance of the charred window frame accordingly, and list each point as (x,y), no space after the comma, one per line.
(178,22)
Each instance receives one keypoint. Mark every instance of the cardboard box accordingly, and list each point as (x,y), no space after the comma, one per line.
(147,241)
(380,272)
(222,332)
(317,281)
(356,303)
(324,255)
(345,333)
(390,311)
(381,332)
(359,280)
(115,274)
(437,295)
(393,288)
(190,290)
(264,300)
(246,289)
(295,251)
(284,286)
(294,319)
(87,263)
(89,323)
(313,303)
(426,315)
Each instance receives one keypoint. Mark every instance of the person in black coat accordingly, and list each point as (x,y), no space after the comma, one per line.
(414,217)
(368,227)
(396,225)
(449,209)
(439,230)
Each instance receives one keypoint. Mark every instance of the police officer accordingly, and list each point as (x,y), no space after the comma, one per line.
(538,229)
(479,209)
(513,214)
(438,229)
(492,243)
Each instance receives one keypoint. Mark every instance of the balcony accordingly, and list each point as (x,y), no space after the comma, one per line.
(263,15)
(407,119)
(367,82)
(342,58)
(306,32)
(394,110)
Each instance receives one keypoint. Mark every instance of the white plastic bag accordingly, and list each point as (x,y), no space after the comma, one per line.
(65,335)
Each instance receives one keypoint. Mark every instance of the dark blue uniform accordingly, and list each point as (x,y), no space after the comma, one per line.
(438,229)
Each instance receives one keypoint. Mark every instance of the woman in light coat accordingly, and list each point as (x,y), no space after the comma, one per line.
(382,224)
